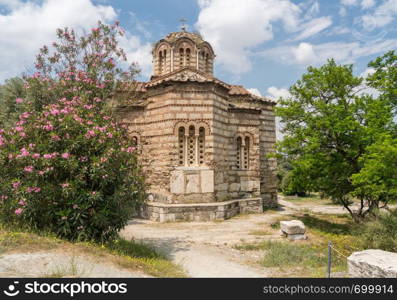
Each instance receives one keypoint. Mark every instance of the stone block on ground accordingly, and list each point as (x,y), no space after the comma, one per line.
(372,263)
(292,227)
(293,230)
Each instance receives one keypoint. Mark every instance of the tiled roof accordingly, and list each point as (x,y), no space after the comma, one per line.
(194,75)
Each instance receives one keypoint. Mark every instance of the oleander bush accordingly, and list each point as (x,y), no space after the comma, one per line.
(66,165)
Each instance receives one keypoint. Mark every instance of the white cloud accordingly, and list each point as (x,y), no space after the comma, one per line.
(275,93)
(236,28)
(314,54)
(26,26)
(304,53)
(349,2)
(138,52)
(313,10)
(364,88)
(313,27)
(383,15)
(233,27)
(365,4)
(367,72)
(342,11)
(255,92)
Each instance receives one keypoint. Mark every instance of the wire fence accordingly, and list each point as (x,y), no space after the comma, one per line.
(339,252)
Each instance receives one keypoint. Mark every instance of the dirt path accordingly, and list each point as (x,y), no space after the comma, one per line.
(59,264)
(204,249)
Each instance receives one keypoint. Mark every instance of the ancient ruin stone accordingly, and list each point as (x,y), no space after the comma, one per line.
(372,263)
(293,230)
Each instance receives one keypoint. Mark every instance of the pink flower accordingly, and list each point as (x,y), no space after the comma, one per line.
(65,155)
(28,169)
(47,156)
(19,128)
(22,134)
(65,185)
(55,138)
(24,152)
(16,185)
(48,127)
(75,206)
(55,112)
(3,197)
(130,149)
(18,100)
(37,190)
(24,115)
(90,133)
(109,135)
(36,155)
(18,211)
(22,202)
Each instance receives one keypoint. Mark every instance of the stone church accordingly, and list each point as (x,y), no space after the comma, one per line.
(203,143)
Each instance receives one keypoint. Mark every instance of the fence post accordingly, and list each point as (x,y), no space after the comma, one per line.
(329,259)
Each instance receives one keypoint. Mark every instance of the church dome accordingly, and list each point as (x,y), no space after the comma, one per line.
(180,50)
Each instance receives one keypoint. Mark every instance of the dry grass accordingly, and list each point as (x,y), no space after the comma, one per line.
(126,254)
(261,232)
(307,258)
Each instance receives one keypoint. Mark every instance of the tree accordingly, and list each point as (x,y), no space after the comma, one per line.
(66,165)
(384,78)
(328,126)
(378,177)
(89,65)
(11,90)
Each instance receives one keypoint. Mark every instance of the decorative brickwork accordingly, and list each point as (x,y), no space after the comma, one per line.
(201,140)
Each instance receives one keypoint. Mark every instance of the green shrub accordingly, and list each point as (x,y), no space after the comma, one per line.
(66,166)
(380,232)
(69,169)
(292,185)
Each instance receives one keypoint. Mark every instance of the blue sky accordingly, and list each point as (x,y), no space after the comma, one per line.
(265,45)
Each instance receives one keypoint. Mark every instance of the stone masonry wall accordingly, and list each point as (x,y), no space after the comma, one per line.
(218,179)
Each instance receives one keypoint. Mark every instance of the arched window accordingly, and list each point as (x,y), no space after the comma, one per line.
(181,57)
(161,59)
(201,145)
(181,146)
(246,153)
(191,146)
(164,60)
(187,57)
(238,153)
(134,141)
(207,63)
(243,153)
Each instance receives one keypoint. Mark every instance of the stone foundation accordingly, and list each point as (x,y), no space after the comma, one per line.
(162,212)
